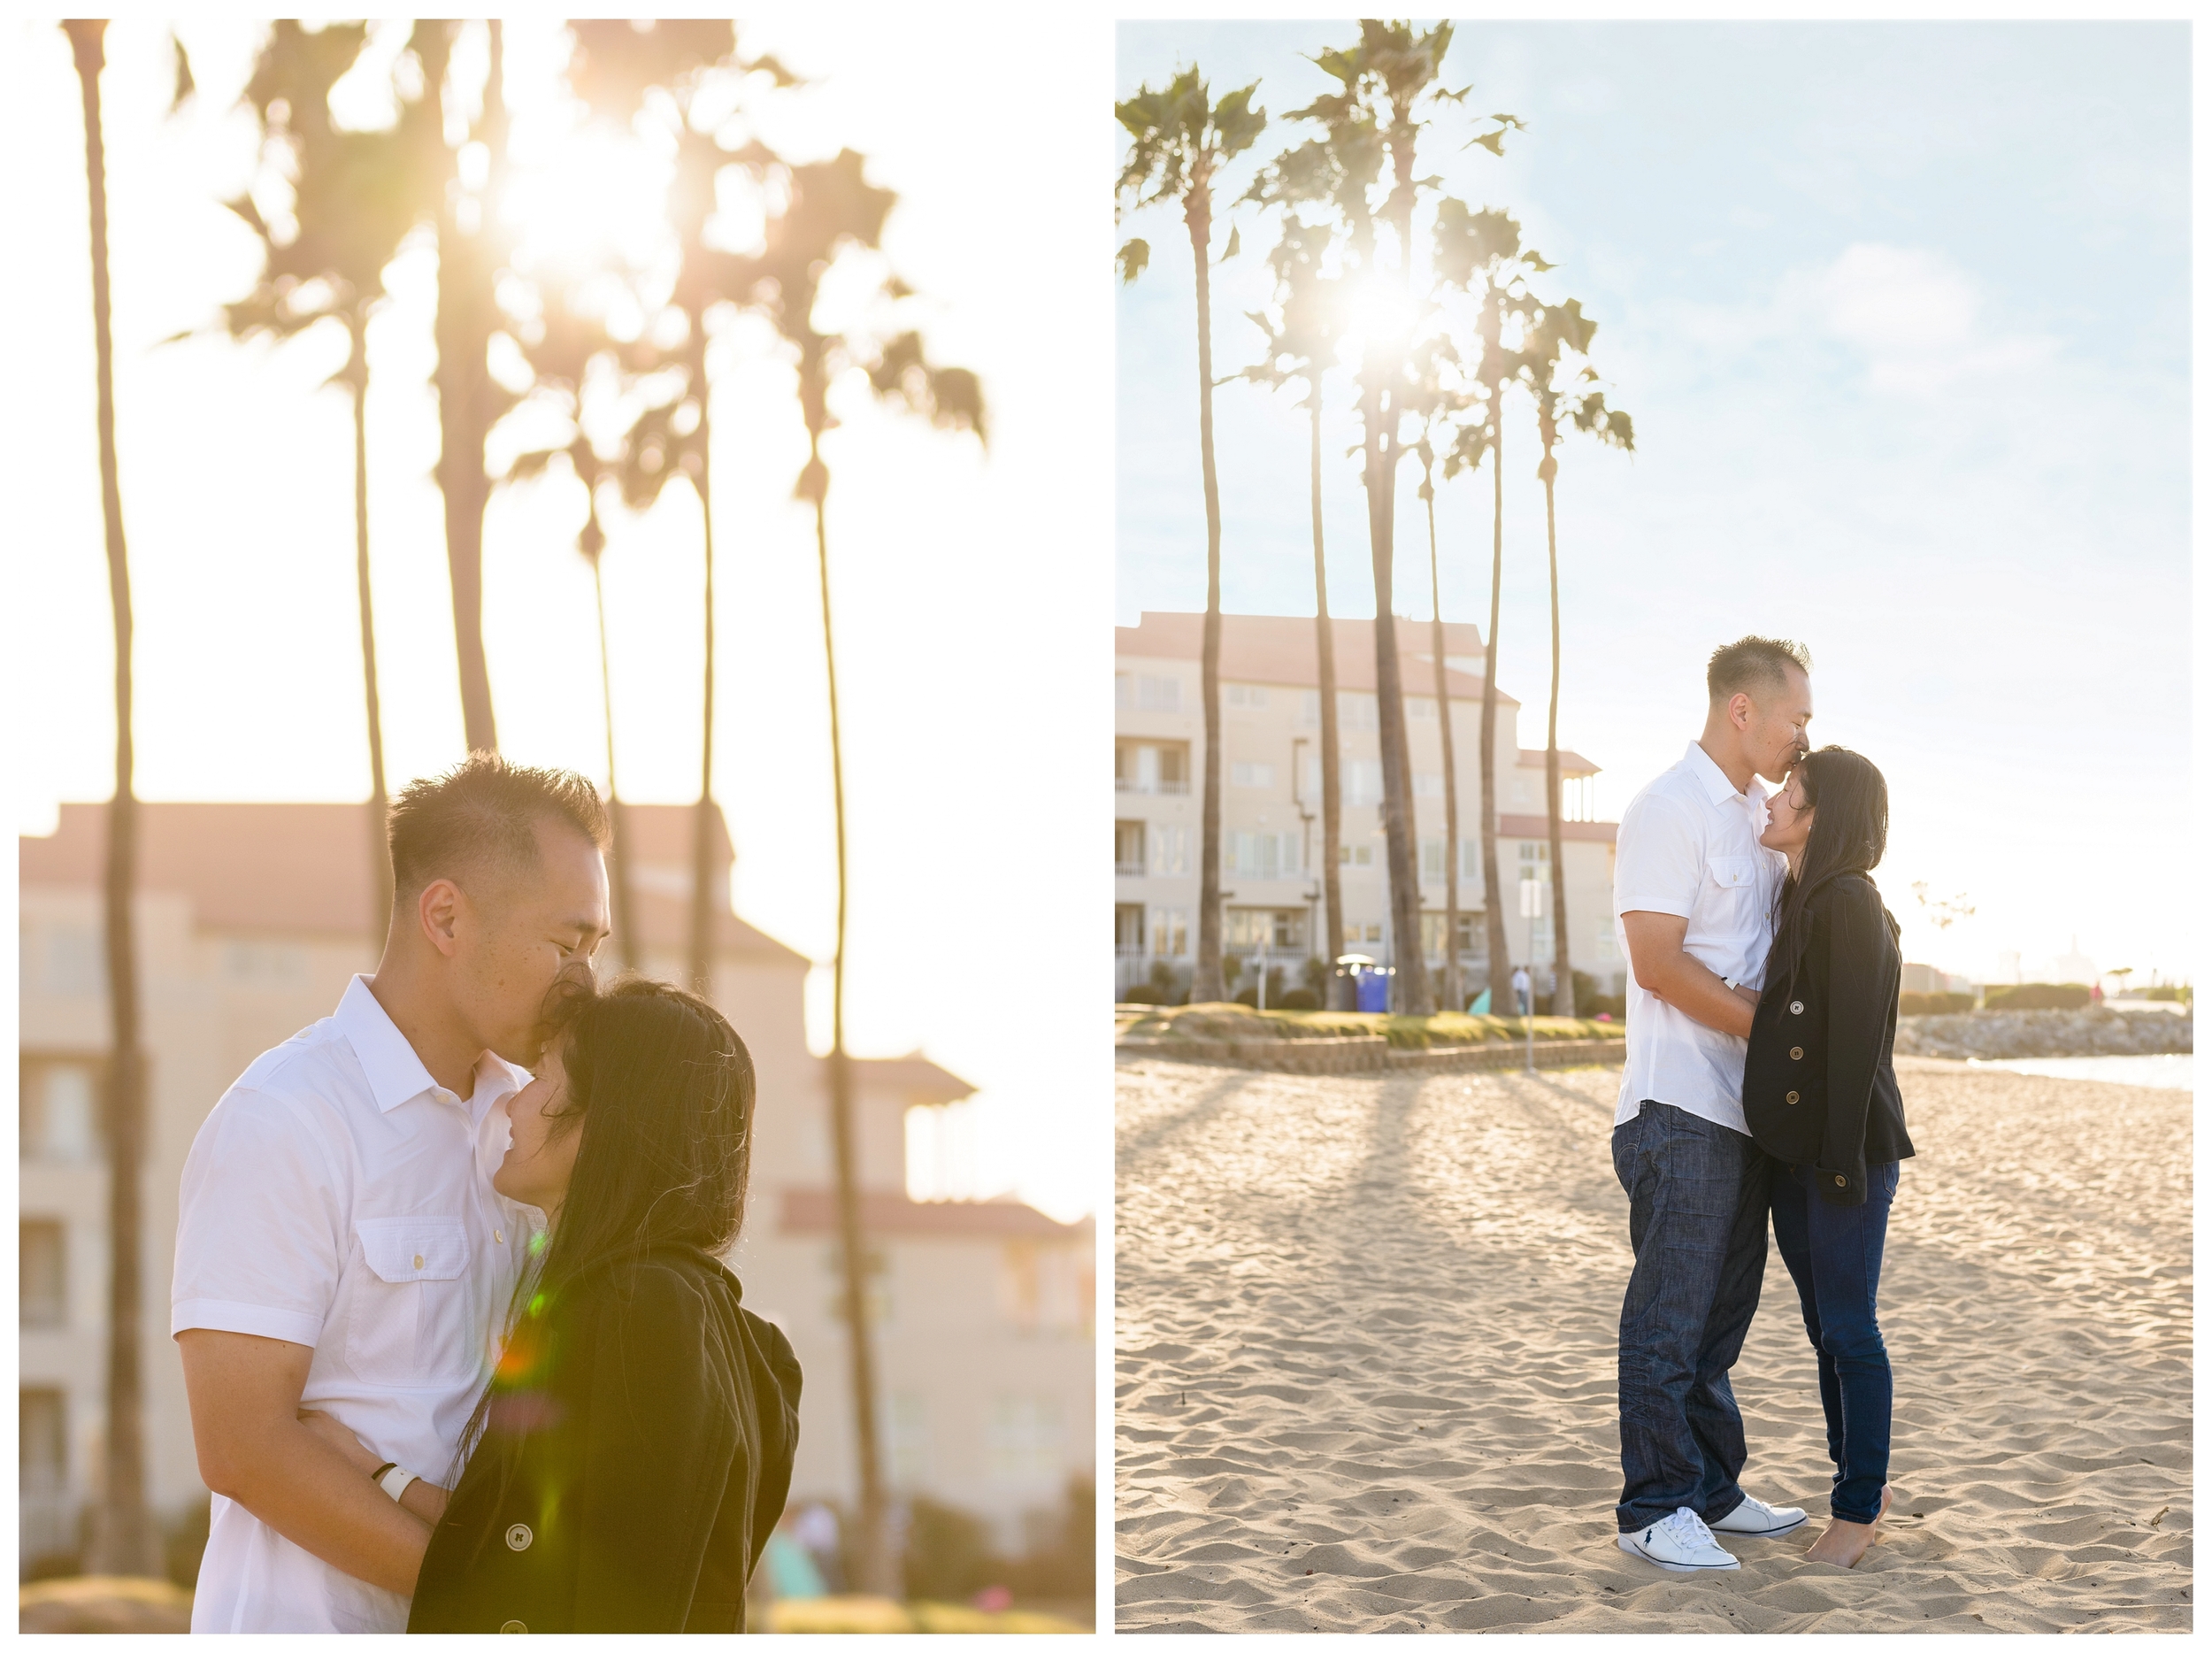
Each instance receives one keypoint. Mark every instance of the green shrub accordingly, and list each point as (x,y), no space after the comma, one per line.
(2037,996)
(2168,995)
(1933,1004)
(1141,994)
(1299,999)
(949,1553)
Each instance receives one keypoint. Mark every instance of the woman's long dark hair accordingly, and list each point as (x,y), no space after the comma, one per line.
(1850,801)
(662,1089)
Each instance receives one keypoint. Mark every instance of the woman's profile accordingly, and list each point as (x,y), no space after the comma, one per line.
(632,1453)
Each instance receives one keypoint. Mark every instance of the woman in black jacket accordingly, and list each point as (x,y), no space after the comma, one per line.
(1820,1096)
(633,1451)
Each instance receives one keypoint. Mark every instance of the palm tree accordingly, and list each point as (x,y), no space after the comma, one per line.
(1560,328)
(832,209)
(1391,85)
(1434,400)
(658,72)
(123,1534)
(1485,247)
(1179,141)
(352,204)
(471,256)
(1302,340)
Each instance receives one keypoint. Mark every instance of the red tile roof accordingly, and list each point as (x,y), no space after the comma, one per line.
(1570,762)
(302,869)
(814,1211)
(1538,826)
(1279,648)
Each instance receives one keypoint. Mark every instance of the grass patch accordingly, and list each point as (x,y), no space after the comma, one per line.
(1404,1032)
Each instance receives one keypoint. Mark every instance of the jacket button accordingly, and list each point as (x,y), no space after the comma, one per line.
(518,1536)
(1797,1053)
(1791,1097)
(514,1627)
(1797,1007)
(1843,1182)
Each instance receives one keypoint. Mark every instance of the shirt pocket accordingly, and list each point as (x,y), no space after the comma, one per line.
(1736,873)
(412,1312)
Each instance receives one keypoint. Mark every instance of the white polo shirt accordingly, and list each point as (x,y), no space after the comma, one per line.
(1689,845)
(338,1197)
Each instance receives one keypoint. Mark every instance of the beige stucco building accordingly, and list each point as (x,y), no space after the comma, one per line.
(252,918)
(1271,821)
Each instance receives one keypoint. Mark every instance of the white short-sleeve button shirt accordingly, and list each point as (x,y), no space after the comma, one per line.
(337,1196)
(1689,845)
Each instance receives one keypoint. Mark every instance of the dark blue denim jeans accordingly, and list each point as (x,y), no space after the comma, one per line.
(1697,1220)
(1834,1253)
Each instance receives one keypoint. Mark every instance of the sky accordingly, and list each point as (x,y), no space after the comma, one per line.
(1902,312)
(970,590)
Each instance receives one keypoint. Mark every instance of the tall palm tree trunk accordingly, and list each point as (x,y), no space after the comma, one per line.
(1563,989)
(123,1536)
(379,849)
(703,914)
(625,913)
(1206,980)
(1455,996)
(1411,992)
(1493,892)
(467,397)
(1331,788)
(875,1563)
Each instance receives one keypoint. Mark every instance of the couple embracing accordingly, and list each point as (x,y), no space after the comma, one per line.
(1758,1089)
(460,1351)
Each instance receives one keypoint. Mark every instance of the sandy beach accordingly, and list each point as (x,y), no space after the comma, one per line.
(1366,1332)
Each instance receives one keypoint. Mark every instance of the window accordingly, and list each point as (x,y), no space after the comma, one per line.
(1428,783)
(1022,1439)
(1309,708)
(1252,775)
(1532,853)
(875,1285)
(1171,932)
(1171,850)
(1309,781)
(1151,766)
(1290,930)
(1432,936)
(45,1281)
(1135,692)
(1044,1288)
(1356,854)
(1246,694)
(1262,854)
(266,964)
(59,1117)
(1373,931)
(1471,860)
(43,1445)
(1469,940)
(1128,927)
(909,1434)
(75,960)
(1129,847)
(1421,707)
(1361,781)
(1432,860)
(1356,710)
(1124,692)
(1277,929)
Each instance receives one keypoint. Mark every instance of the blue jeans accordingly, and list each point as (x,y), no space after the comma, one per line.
(1697,1220)
(1834,1253)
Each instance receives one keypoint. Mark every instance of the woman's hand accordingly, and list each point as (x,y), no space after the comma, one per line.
(347,1443)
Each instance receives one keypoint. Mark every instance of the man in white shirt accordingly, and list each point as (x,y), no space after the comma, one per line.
(340,1247)
(1695,894)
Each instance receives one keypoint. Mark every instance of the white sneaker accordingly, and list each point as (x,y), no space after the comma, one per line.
(1681,1543)
(1758,1520)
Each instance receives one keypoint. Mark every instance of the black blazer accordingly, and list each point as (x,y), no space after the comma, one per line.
(1819,1088)
(637,1455)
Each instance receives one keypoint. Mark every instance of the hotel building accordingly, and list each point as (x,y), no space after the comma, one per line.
(1270,816)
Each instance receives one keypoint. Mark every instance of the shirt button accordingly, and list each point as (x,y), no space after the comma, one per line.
(1797,1053)
(1790,1098)
(496,1238)
(418,1259)
(1797,1007)
(518,1536)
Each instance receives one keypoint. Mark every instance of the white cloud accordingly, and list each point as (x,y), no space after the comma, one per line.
(1916,316)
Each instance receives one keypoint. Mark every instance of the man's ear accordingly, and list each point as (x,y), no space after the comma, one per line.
(439,911)
(1740,711)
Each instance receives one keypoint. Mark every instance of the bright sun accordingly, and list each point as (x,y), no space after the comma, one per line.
(594,194)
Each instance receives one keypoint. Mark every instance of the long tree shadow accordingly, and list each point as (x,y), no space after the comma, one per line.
(1128,1149)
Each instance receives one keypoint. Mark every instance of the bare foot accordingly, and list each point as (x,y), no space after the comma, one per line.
(1845,1542)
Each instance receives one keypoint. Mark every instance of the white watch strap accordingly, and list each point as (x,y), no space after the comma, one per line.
(396,1482)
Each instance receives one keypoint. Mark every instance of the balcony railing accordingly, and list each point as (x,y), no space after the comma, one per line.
(1128,869)
(1168,788)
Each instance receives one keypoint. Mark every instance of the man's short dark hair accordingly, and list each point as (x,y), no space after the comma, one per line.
(483,814)
(1751,663)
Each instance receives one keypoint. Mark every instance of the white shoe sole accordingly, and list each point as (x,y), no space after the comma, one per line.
(1763,1531)
(1627,1542)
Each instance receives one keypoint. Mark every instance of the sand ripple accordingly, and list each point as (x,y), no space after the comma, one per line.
(1365,1363)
